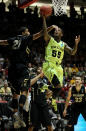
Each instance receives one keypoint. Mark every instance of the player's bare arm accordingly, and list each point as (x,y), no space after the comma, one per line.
(3,42)
(39,34)
(74,50)
(67,103)
(34,80)
(45,32)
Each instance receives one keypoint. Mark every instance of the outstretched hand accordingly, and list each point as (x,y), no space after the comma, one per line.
(3,42)
(77,40)
(64,113)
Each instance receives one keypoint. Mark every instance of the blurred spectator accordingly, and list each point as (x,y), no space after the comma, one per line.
(67,70)
(72,81)
(30,67)
(84,69)
(82,11)
(67,85)
(36,11)
(2,7)
(5,90)
(29,11)
(81,71)
(74,69)
(1,71)
(85,81)
(73,12)
(1,60)
(1,82)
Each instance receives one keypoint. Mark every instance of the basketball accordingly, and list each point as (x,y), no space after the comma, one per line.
(45,10)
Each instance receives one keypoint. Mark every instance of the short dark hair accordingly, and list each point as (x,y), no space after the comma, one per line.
(77,75)
(22,29)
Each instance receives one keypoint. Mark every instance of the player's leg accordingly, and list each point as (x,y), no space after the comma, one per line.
(13,104)
(54,73)
(57,73)
(24,91)
(73,117)
(23,96)
(34,116)
(45,117)
(55,81)
(23,86)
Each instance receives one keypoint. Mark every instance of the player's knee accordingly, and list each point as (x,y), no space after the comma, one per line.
(55,81)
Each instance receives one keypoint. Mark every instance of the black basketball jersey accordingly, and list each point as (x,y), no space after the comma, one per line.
(78,97)
(19,49)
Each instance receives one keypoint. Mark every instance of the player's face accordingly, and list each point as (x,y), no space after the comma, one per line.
(39,70)
(27,33)
(58,32)
(78,80)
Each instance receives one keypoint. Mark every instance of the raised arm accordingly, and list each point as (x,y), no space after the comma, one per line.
(45,32)
(34,80)
(67,103)
(39,34)
(4,42)
(74,50)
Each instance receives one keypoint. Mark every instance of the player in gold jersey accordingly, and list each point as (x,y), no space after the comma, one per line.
(54,52)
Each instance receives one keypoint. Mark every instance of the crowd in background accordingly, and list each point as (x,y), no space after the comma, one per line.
(70,70)
(11,21)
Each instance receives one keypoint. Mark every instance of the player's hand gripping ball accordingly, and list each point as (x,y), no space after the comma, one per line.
(45,10)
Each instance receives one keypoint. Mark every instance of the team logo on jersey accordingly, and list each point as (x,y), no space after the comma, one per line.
(27,50)
(62,45)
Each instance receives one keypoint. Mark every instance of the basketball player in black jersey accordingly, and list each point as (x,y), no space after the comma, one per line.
(77,93)
(18,75)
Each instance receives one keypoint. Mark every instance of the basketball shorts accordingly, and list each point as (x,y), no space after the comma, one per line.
(40,115)
(75,112)
(51,69)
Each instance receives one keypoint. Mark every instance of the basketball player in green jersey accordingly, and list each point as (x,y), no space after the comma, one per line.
(54,52)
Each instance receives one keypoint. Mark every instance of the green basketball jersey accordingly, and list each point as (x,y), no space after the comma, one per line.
(54,51)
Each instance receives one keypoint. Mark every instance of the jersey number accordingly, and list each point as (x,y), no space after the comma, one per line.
(55,53)
(16,44)
(78,99)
